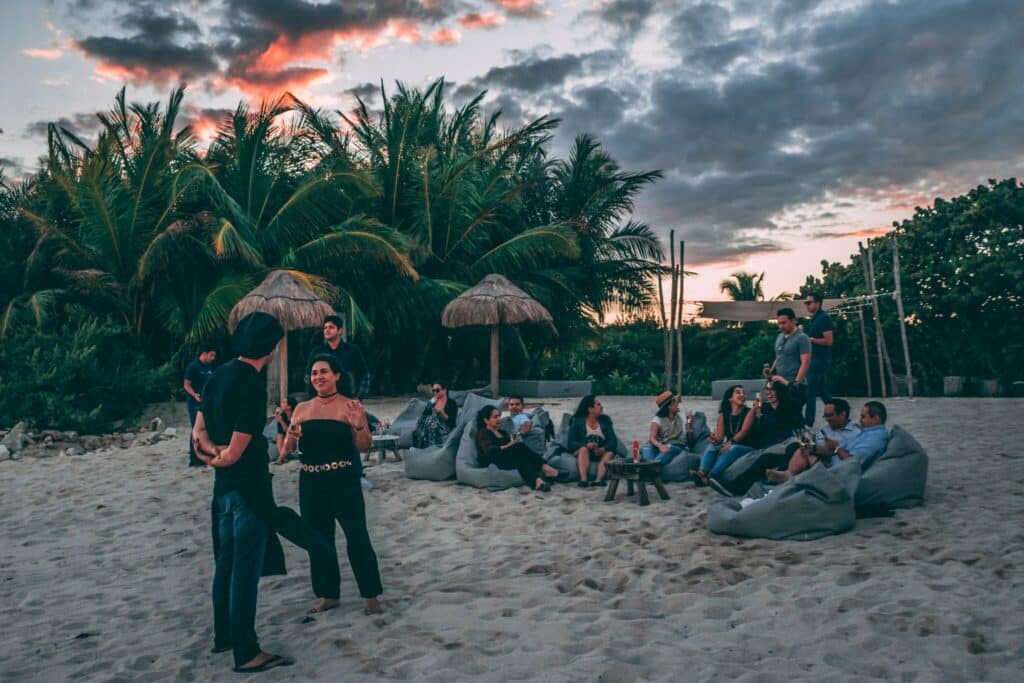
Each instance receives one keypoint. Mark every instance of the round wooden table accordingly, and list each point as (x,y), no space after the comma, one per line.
(643,473)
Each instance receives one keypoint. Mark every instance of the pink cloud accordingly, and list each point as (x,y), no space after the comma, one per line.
(43,53)
(446,36)
(475,20)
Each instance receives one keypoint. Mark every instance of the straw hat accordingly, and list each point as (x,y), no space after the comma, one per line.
(664,398)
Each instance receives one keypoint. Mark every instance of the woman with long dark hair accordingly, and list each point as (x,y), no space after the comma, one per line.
(437,420)
(735,420)
(331,431)
(592,437)
(495,447)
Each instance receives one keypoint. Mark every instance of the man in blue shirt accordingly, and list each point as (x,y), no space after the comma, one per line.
(820,331)
(196,375)
(866,446)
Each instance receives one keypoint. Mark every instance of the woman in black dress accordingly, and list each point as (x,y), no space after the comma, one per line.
(331,431)
(495,447)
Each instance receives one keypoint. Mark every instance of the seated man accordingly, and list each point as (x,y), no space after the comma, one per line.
(520,420)
(866,446)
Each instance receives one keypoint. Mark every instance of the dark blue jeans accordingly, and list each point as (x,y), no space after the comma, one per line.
(193,410)
(817,385)
(236,578)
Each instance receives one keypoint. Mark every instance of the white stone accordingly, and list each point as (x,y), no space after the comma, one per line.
(5,454)
(171,431)
(15,439)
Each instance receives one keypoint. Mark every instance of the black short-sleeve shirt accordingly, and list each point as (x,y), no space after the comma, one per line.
(235,400)
(816,329)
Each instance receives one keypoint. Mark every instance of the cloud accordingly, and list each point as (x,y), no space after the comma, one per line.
(48,53)
(530,9)
(864,233)
(446,36)
(81,124)
(626,16)
(476,20)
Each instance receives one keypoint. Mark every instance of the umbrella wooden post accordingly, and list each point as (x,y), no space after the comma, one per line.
(495,339)
(283,352)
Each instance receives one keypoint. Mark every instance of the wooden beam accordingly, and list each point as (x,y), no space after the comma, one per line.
(679,319)
(874,308)
(864,345)
(878,321)
(899,312)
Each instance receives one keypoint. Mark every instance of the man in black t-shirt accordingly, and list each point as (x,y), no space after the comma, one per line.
(228,436)
(820,331)
(197,374)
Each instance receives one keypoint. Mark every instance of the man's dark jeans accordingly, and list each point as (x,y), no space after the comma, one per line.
(817,385)
(193,410)
(236,579)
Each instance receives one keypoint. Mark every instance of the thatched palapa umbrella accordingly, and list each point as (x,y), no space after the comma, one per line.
(494,301)
(289,297)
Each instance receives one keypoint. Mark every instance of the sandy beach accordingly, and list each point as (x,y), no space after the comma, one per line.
(106,566)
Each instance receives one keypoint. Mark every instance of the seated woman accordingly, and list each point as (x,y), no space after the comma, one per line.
(779,415)
(592,437)
(437,421)
(283,417)
(729,440)
(330,430)
(495,447)
(668,436)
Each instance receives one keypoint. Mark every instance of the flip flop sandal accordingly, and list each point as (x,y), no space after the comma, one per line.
(272,663)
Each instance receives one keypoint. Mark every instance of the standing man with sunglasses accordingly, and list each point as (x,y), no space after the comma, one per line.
(820,331)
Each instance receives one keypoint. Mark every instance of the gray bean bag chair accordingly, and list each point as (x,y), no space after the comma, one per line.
(817,502)
(678,469)
(897,479)
(468,470)
(436,463)
(472,403)
(405,423)
(743,464)
(559,457)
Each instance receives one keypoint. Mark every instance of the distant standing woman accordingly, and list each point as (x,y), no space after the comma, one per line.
(331,431)
(437,420)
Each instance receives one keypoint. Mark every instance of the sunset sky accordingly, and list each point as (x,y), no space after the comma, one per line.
(787,130)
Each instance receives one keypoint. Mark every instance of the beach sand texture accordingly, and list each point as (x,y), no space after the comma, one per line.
(105,571)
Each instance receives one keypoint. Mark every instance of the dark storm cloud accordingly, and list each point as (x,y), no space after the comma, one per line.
(365,91)
(627,16)
(82,123)
(797,106)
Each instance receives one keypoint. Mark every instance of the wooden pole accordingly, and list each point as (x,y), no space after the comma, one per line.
(874,308)
(283,356)
(664,325)
(899,312)
(494,361)
(864,345)
(679,319)
(673,312)
(878,321)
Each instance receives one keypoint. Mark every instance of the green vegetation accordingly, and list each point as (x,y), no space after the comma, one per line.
(122,254)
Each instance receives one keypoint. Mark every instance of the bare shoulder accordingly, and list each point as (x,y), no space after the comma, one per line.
(302,410)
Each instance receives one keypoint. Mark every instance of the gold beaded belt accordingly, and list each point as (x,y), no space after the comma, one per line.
(326,467)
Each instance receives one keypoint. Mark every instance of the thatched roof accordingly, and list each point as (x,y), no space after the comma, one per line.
(494,301)
(285,297)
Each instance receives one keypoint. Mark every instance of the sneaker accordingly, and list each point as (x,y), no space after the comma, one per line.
(601,482)
(583,484)
(721,488)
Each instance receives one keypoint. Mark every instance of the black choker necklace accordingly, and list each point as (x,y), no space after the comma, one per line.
(328,395)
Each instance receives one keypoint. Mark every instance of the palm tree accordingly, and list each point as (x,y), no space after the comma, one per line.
(743,286)
(104,214)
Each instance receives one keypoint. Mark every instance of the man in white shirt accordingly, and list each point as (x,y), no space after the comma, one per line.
(520,420)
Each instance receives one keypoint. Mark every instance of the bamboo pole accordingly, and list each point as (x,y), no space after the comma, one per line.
(673,312)
(864,345)
(878,321)
(283,352)
(679,319)
(664,327)
(874,308)
(899,312)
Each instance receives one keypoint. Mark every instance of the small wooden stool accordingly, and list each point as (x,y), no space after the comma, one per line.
(382,443)
(643,472)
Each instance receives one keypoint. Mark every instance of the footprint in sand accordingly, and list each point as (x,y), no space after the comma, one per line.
(853,577)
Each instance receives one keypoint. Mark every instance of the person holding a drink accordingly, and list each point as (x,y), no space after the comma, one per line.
(669,434)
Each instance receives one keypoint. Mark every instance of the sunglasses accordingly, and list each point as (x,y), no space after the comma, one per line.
(437,390)
(808,303)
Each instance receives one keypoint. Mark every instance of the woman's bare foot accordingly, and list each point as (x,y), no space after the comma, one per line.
(264,661)
(324,605)
(548,470)
(371,606)
(778,476)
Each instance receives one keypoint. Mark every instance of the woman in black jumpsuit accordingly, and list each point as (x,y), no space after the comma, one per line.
(330,431)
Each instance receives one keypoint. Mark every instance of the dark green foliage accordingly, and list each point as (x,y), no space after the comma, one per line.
(81,373)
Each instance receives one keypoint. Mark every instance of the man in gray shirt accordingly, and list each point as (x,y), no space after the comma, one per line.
(792,349)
